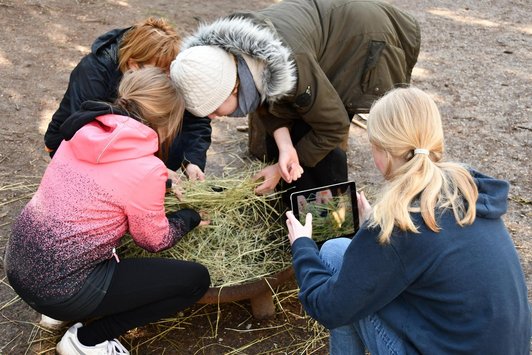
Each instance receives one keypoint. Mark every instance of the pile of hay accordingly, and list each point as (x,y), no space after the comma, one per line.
(246,238)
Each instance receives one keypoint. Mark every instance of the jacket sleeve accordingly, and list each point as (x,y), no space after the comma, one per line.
(191,145)
(319,105)
(88,81)
(371,276)
(149,226)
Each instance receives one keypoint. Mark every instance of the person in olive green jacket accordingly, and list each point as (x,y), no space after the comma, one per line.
(304,67)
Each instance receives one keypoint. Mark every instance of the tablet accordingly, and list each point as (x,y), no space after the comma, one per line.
(334,210)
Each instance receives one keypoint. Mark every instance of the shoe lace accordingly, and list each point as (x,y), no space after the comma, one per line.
(114,347)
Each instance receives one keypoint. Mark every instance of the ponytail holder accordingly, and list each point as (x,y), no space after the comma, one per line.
(421,151)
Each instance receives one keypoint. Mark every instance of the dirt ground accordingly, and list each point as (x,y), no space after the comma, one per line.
(475,60)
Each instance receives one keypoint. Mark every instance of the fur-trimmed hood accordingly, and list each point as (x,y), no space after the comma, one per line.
(238,35)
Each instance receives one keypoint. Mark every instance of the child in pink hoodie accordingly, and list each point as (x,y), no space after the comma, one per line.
(106,180)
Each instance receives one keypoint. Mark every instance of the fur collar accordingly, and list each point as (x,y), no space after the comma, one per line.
(239,36)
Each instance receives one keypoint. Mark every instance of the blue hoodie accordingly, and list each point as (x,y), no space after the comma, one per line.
(459,291)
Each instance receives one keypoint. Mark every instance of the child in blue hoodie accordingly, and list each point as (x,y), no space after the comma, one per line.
(432,269)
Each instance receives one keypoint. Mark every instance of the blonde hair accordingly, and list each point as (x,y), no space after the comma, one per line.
(153,41)
(401,121)
(150,96)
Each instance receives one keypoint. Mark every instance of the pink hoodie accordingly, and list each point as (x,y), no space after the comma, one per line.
(102,183)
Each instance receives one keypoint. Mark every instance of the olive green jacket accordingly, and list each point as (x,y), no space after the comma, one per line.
(344,55)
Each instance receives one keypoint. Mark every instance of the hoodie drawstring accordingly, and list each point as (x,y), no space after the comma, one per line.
(115,255)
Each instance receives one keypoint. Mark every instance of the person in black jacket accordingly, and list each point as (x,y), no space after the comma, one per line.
(96,77)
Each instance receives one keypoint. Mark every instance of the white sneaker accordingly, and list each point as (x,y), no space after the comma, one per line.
(50,323)
(70,345)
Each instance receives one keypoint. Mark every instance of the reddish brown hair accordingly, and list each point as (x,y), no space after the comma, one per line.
(153,41)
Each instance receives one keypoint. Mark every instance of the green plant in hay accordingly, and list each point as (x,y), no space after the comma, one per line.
(245,240)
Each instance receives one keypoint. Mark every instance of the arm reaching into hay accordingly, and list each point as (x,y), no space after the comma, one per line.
(149,225)
(245,239)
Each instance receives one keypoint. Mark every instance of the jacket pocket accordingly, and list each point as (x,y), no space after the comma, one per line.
(384,68)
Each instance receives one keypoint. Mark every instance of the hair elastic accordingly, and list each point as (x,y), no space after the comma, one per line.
(421,151)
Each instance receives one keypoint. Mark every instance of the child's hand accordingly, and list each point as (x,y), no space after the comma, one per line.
(296,229)
(205,220)
(194,172)
(176,184)
(271,176)
(289,165)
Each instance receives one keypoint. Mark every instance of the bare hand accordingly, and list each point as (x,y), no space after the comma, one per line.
(176,184)
(205,220)
(289,164)
(194,172)
(296,229)
(271,176)
(364,208)
(288,160)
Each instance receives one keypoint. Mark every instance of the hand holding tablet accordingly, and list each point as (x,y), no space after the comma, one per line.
(334,210)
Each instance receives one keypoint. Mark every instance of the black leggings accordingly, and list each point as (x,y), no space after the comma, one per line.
(143,291)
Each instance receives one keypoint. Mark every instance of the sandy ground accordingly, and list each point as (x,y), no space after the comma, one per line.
(475,60)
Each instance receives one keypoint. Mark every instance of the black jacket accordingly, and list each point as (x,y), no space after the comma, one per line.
(97,77)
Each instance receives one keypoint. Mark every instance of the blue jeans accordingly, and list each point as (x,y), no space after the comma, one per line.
(369,333)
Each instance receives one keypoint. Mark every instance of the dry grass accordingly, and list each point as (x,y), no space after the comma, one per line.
(245,240)
(289,332)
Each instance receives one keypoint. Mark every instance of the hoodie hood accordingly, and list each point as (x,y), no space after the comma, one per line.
(113,137)
(241,37)
(492,200)
(109,42)
(87,113)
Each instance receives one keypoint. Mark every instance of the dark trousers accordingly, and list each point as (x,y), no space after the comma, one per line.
(143,291)
(331,169)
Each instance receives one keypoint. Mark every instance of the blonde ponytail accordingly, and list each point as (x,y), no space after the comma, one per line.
(406,124)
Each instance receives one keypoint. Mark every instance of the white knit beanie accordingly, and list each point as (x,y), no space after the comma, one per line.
(206,76)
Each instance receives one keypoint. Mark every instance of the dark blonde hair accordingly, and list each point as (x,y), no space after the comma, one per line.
(400,122)
(153,41)
(150,96)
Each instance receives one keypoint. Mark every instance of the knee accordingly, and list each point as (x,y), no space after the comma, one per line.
(335,246)
(203,279)
(332,252)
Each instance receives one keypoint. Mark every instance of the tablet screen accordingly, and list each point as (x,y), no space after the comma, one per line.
(334,210)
